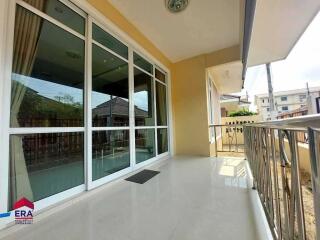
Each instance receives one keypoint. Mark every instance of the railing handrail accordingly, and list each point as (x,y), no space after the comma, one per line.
(279,175)
(306,121)
(300,123)
(263,124)
(225,125)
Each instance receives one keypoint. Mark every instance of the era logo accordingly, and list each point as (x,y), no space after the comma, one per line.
(23,213)
(23,210)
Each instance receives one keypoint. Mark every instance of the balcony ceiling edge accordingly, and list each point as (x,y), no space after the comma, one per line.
(277,27)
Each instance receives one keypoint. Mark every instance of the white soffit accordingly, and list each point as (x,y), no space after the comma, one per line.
(227,77)
(205,26)
(277,26)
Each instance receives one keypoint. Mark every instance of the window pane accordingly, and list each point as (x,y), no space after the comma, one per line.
(160,76)
(60,12)
(142,63)
(161,99)
(110,152)
(109,41)
(162,140)
(48,74)
(145,144)
(110,89)
(143,99)
(42,165)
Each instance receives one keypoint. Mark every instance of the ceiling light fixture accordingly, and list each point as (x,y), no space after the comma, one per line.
(175,6)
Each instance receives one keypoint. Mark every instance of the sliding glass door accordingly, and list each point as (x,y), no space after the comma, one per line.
(162,111)
(109,104)
(150,108)
(85,106)
(47,107)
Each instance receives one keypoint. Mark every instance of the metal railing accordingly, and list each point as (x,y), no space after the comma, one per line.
(314,145)
(289,195)
(228,138)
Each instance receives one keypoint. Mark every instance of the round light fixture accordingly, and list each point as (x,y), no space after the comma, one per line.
(175,6)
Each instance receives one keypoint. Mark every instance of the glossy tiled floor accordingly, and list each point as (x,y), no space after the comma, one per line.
(192,198)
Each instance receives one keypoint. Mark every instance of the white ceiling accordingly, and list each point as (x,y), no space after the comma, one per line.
(277,26)
(227,77)
(205,26)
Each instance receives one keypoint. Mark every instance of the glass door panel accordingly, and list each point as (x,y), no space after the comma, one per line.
(145,144)
(110,152)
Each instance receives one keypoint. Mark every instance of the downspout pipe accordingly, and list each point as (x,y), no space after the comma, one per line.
(250,7)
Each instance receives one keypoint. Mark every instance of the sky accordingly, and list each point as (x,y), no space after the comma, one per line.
(52,90)
(301,66)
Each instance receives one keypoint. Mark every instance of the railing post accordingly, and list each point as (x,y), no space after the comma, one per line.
(276,185)
(296,200)
(315,170)
(283,162)
(236,136)
(215,140)
(280,190)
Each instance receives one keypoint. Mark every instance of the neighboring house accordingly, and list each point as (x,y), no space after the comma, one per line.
(294,113)
(232,103)
(115,112)
(288,101)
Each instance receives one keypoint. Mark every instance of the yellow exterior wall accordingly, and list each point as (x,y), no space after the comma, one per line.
(227,137)
(189,101)
(190,107)
(233,120)
(303,151)
(118,19)
(217,116)
(213,146)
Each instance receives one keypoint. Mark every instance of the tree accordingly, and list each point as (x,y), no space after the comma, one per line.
(242,112)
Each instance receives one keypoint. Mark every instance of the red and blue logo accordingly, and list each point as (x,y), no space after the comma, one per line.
(4,215)
(23,212)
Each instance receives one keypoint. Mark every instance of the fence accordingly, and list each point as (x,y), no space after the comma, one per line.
(290,197)
(228,138)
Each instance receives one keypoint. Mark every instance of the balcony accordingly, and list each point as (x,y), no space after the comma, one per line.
(191,198)
(94,91)
(267,195)
(284,160)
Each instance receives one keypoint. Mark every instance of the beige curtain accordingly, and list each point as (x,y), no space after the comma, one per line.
(27,32)
(162,108)
(162,101)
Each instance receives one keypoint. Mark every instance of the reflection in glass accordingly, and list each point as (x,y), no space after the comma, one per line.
(60,12)
(110,152)
(110,89)
(143,99)
(161,100)
(42,165)
(160,76)
(109,41)
(142,63)
(162,140)
(145,144)
(48,74)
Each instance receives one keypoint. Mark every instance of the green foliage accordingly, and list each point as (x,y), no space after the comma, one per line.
(242,112)
(37,107)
